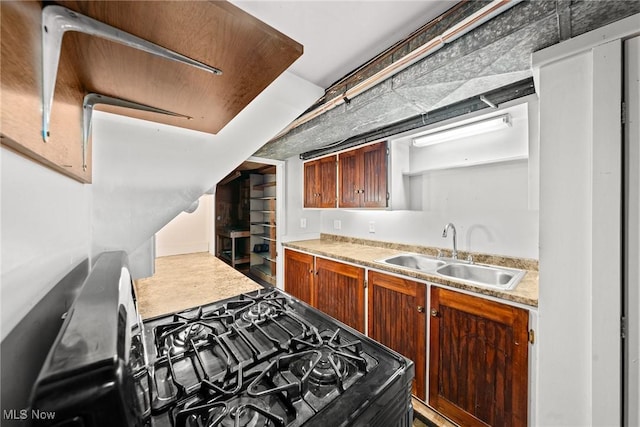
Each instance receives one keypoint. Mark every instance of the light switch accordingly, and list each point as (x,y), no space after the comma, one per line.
(303,222)
(337,224)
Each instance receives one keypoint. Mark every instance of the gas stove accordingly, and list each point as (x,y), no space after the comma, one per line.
(266,359)
(258,359)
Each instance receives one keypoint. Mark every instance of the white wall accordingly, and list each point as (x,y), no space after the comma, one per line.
(487,204)
(187,232)
(46,231)
(146,173)
(293,192)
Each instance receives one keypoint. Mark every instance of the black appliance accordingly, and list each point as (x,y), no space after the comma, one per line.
(258,359)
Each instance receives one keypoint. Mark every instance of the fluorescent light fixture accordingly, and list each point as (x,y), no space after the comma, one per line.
(468,129)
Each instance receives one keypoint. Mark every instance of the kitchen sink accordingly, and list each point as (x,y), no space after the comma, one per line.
(482,275)
(486,276)
(415,262)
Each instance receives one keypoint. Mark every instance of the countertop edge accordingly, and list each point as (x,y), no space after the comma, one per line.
(529,281)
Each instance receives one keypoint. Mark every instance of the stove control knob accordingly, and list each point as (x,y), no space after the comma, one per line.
(420,309)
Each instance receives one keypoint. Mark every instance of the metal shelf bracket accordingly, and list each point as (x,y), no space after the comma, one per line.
(57,20)
(92,99)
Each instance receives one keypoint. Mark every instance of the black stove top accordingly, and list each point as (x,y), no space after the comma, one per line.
(257,359)
(262,359)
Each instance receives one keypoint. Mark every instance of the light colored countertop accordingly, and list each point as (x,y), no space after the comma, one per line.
(186,281)
(366,252)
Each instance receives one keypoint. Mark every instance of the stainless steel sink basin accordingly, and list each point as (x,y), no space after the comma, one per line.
(482,275)
(486,276)
(415,262)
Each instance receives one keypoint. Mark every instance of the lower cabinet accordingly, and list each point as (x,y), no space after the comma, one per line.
(336,289)
(339,290)
(298,275)
(397,319)
(478,360)
(478,348)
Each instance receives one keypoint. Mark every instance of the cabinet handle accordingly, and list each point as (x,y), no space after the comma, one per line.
(420,309)
(434,312)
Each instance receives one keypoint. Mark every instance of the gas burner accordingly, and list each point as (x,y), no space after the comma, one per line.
(330,368)
(179,338)
(239,411)
(192,332)
(246,411)
(207,414)
(260,311)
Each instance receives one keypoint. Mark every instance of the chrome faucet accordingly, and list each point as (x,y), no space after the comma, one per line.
(454,254)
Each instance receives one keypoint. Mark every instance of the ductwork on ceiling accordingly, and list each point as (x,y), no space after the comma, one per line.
(478,48)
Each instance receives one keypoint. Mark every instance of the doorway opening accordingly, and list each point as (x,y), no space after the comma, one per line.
(245,221)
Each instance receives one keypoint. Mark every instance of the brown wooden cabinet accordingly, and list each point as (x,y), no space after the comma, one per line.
(339,292)
(363,177)
(320,178)
(397,319)
(478,360)
(336,289)
(298,275)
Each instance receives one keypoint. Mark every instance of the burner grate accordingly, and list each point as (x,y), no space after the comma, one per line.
(257,360)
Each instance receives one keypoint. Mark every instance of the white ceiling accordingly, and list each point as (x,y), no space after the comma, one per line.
(340,35)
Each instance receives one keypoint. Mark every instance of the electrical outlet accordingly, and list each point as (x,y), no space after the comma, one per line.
(303,222)
(337,224)
(372,226)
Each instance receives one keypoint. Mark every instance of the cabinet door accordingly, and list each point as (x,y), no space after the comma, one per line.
(478,360)
(298,275)
(374,175)
(363,177)
(311,192)
(397,319)
(339,292)
(349,176)
(326,181)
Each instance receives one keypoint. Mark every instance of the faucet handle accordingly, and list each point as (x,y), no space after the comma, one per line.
(439,254)
(470,259)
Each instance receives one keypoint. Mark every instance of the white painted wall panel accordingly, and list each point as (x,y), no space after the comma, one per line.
(46,232)
(564,397)
(144,174)
(293,191)
(488,205)
(147,173)
(187,232)
(579,84)
(632,261)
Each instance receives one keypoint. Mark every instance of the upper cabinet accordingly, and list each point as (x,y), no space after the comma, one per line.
(358,181)
(363,177)
(320,183)
(217,34)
